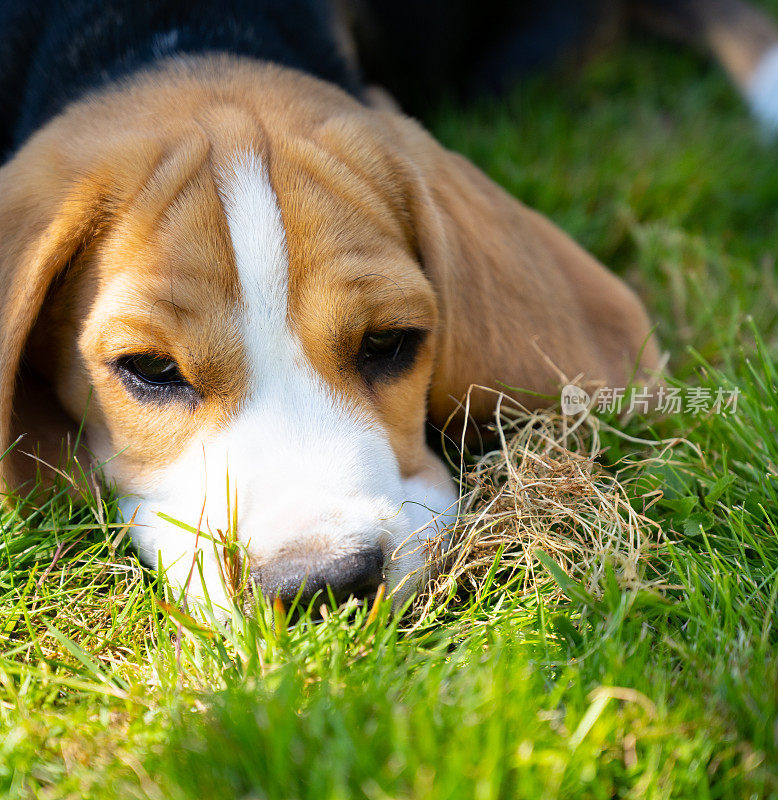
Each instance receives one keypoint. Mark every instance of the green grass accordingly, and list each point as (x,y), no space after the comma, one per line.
(648,158)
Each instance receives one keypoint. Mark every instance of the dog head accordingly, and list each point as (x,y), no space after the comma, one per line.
(255,291)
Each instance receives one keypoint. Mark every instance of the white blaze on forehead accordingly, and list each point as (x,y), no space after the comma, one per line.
(310,463)
(312,471)
(290,413)
(259,242)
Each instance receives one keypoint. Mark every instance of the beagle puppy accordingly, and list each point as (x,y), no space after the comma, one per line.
(255,290)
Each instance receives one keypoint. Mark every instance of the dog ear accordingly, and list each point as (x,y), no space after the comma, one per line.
(521,304)
(47,215)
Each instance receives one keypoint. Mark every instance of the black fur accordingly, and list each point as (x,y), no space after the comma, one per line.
(52,51)
(421,50)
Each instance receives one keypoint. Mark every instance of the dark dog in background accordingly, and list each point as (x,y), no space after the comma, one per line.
(420,50)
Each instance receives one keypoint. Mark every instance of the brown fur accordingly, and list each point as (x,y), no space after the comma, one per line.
(113,240)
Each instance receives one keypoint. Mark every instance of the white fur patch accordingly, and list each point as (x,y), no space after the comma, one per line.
(762,92)
(309,470)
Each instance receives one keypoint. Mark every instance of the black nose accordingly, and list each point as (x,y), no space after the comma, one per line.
(358,574)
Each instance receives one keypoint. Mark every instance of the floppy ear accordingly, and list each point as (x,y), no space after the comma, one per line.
(520,302)
(46,217)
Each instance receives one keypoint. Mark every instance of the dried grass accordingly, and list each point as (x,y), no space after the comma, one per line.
(542,489)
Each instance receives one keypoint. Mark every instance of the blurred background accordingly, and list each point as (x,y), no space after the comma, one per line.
(645,153)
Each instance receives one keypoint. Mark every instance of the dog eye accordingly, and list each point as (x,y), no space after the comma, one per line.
(382,344)
(387,353)
(156,378)
(156,370)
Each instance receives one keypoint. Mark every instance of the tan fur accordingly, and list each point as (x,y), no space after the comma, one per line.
(113,238)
